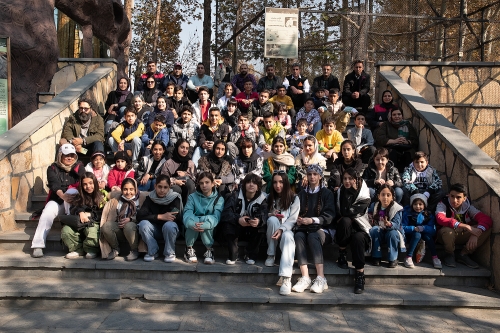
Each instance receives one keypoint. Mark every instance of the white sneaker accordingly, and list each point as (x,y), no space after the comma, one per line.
(280,281)
(286,287)
(269,261)
(319,284)
(37,253)
(209,257)
(190,255)
(230,262)
(150,258)
(249,261)
(170,258)
(73,255)
(302,284)
(90,255)
(409,262)
(437,263)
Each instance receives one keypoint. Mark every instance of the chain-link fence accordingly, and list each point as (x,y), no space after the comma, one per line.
(339,31)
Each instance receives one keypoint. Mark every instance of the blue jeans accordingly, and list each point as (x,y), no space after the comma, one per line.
(295,151)
(134,145)
(412,239)
(316,128)
(149,186)
(197,154)
(151,232)
(391,237)
(398,191)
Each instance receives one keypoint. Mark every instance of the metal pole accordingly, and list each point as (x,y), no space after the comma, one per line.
(461,31)
(482,35)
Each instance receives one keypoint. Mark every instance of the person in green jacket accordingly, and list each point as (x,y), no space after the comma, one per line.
(279,159)
(201,215)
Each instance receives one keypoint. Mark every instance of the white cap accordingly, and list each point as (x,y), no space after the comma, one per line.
(67,149)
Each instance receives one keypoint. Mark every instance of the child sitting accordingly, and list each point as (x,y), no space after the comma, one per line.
(228,95)
(186,128)
(99,168)
(243,130)
(382,171)
(319,100)
(362,137)
(121,170)
(420,177)
(329,140)
(282,97)
(230,113)
(259,107)
(298,137)
(282,117)
(461,223)
(311,115)
(156,132)
(419,224)
(127,135)
(335,109)
(268,132)
(246,97)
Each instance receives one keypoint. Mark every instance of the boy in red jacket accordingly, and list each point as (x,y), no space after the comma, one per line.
(461,224)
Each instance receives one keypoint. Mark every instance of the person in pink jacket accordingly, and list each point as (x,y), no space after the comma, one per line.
(460,223)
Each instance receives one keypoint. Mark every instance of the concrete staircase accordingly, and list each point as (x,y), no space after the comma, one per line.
(53,281)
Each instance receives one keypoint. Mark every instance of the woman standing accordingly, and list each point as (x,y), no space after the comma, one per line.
(65,173)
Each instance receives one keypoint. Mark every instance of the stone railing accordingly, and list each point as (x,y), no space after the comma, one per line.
(466,93)
(29,148)
(456,158)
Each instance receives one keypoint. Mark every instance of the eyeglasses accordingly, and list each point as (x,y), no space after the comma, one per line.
(150,81)
(279,172)
(83,109)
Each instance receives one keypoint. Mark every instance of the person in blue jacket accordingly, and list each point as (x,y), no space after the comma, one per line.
(201,215)
(419,224)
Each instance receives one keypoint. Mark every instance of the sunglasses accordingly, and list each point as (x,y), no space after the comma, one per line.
(83,109)
(279,172)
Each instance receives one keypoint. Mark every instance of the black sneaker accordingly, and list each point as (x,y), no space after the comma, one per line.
(376,261)
(359,282)
(190,255)
(449,260)
(467,261)
(209,257)
(393,264)
(342,260)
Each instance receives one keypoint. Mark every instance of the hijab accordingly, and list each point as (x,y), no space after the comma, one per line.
(317,158)
(61,165)
(390,105)
(128,207)
(167,199)
(149,92)
(249,161)
(122,94)
(402,126)
(177,158)
(214,161)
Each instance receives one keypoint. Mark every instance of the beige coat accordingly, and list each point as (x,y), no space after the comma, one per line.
(109,214)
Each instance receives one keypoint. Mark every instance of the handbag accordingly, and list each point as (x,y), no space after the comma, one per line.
(73,221)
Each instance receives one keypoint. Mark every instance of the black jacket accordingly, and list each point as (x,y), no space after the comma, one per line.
(149,211)
(59,179)
(338,169)
(352,84)
(320,83)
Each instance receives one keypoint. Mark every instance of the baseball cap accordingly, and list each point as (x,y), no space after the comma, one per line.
(67,149)
(178,64)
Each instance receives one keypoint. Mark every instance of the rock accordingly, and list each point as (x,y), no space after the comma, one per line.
(5,193)
(21,162)
(63,79)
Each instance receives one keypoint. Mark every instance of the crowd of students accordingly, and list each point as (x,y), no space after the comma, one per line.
(255,173)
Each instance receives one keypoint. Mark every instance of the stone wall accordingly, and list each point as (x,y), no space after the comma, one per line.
(456,158)
(29,148)
(466,93)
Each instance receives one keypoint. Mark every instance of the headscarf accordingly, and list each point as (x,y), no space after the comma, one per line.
(317,158)
(249,161)
(315,168)
(148,93)
(390,105)
(60,155)
(167,199)
(128,207)
(122,93)
(402,126)
(182,161)
(214,161)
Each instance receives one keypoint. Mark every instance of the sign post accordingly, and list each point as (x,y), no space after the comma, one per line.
(281,33)
(5,101)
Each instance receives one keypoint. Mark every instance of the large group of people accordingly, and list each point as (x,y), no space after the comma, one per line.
(250,168)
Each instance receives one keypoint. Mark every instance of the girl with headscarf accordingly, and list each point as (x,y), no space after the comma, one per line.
(380,112)
(309,155)
(217,164)
(117,101)
(247,161)
(279,159)
(62,175)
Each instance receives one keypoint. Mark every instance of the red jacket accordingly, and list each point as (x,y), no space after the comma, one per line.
(116,176)
(445,215)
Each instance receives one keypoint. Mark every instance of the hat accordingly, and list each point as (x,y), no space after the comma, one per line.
(122,155)
(67,149)
(97,153)
(315,168)
(178,64)
(420,196)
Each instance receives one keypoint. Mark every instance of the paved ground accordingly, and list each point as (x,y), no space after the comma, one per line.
(354,320)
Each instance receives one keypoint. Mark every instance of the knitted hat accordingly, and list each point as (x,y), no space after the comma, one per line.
(420,196)
(315,168)
(122,155)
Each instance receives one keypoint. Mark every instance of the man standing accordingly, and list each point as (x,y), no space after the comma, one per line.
(240,79)
(356,87)
(151,71)
(326,81)
(84,129)
(197,81)
(176,77)
(270,81)
(297,87)
(223,74)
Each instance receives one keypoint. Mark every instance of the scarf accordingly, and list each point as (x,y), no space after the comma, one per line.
(317,158)
(282,162)
(250,162)
(122,95)
(402,126)
(167,199)
(128,207)
(66,168)
(182,161)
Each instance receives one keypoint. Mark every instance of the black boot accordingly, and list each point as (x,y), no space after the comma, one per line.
(359,282)
(342,260)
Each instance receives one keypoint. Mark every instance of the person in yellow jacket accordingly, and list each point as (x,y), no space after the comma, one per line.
(127,135)
(329,140)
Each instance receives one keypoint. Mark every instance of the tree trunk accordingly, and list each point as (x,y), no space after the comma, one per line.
(127,6)
(157,31)
(207,33)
